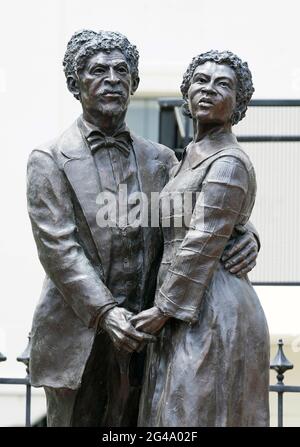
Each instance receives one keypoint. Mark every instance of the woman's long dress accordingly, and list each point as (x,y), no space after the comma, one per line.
(210,365)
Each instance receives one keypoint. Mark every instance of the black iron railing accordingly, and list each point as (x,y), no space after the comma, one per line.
(280,364)
(24,358)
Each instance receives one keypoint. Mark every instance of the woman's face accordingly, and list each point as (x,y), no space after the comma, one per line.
(212,93)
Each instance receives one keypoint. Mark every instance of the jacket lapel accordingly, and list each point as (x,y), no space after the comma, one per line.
(81,172)
(152,175)
(152,172)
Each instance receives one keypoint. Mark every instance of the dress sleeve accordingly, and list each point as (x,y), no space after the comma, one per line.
(54,229)
(217,211)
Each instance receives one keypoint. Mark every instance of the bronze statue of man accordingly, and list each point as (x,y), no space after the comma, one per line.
(84,350)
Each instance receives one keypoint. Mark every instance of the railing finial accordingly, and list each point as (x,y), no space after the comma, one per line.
(280,363)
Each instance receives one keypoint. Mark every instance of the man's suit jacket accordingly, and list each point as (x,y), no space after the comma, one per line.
(75,252)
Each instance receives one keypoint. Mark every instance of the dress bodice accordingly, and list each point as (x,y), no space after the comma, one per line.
(200,207)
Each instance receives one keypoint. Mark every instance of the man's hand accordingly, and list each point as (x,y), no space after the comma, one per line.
(150,320)
(240,258)
(124,336)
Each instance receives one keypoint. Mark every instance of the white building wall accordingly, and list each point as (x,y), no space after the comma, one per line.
(35,106)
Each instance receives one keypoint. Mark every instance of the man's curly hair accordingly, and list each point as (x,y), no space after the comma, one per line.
(245,87)
(84,44)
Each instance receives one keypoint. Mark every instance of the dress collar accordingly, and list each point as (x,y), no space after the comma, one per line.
(197,152)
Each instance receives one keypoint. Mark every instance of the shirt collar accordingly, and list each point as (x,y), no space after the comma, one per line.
(87,128)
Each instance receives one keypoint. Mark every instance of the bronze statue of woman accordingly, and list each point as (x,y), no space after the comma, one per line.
(210,363)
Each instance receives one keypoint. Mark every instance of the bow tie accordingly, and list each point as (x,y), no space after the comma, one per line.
(97,140)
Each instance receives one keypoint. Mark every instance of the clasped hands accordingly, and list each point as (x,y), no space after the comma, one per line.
(131,332)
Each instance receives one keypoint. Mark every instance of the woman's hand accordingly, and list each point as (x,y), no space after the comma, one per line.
(150,321)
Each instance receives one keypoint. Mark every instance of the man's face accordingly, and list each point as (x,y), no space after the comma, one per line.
(105,84)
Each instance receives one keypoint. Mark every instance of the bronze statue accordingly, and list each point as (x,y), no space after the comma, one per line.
(210,364)
(84,350)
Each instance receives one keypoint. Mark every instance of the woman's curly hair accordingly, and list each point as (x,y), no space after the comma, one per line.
(245,87)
